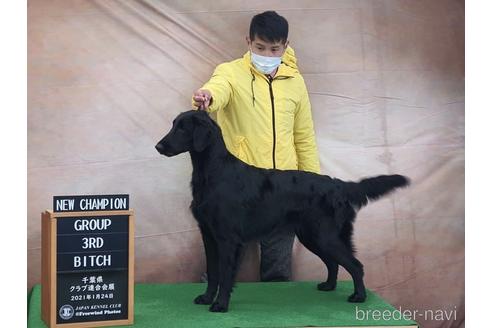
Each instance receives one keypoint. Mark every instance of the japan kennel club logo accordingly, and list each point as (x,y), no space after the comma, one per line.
(66,312)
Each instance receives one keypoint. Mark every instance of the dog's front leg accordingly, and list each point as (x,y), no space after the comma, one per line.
(227,252)
(212,255)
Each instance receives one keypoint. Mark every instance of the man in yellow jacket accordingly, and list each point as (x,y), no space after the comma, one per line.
(264,112)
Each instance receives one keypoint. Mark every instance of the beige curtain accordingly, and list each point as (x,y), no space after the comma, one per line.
(386,83)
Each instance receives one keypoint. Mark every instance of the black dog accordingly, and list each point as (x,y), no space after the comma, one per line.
(234,202)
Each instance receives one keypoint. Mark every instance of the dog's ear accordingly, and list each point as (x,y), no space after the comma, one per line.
(202,131)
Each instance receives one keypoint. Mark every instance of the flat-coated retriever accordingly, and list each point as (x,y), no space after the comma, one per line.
(234,203)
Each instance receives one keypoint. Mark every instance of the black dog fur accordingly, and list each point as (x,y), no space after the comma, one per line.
(234,203)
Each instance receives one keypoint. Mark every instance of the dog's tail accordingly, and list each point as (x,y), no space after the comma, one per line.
(376,187)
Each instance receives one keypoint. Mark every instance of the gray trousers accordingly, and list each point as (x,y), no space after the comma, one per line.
(276,256)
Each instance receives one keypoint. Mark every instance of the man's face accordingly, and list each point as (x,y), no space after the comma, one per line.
(266,48)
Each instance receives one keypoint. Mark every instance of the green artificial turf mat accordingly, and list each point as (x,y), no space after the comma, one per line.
(279,304)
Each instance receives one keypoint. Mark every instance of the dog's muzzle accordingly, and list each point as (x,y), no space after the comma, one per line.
(164,150)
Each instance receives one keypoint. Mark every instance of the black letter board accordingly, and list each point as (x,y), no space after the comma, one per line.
(87,261)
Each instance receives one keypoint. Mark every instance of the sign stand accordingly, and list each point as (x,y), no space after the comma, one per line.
(87,265)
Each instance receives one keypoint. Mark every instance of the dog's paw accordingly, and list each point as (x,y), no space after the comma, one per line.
(203,299)
(327,286)
(357,298)
(217,307)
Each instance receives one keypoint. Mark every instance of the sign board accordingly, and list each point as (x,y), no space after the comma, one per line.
(88,261)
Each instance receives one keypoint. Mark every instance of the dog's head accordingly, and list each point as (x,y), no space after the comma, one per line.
(191,131)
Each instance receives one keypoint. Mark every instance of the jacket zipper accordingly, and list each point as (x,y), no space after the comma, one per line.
(270,80)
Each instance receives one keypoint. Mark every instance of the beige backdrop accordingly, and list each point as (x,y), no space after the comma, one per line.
(386,81)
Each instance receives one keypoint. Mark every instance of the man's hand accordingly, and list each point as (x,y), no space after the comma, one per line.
(202,98)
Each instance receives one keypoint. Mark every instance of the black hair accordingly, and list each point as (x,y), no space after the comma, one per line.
(269,26)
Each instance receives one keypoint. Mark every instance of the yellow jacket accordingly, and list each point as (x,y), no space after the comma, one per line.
(265,124)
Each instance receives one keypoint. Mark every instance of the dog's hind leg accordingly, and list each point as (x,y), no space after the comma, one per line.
(332,267)
(337,250)
(212,256)
(227,259)
(309,235)
(308,240)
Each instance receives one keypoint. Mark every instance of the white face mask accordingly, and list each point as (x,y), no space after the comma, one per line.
(264,64)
